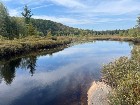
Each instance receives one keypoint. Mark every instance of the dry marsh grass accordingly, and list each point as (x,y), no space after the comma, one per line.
(10,47)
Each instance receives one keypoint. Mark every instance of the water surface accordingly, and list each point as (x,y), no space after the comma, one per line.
(58,77)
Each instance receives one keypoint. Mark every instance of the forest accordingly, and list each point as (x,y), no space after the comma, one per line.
(20,27)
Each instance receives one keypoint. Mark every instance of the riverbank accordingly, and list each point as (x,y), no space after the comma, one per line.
(41,52)
(122,76)
(28,44)
(98,94)
(108,37)
(32,43)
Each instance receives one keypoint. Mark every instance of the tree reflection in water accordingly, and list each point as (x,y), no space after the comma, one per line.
(26,62)
(8,69)
(29,64)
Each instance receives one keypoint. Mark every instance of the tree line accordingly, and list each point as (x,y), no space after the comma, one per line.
(18,27)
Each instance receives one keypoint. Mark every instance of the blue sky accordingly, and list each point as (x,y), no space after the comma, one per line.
(85,14)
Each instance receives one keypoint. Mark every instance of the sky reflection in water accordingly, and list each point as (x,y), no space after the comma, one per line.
(62,78)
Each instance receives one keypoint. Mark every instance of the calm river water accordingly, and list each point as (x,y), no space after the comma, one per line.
(57,77)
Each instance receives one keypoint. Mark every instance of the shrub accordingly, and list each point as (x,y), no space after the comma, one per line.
(123,75)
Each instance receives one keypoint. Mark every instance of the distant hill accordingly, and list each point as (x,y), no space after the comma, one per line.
(44,26)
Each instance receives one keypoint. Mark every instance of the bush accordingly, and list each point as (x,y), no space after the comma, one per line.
(123,76)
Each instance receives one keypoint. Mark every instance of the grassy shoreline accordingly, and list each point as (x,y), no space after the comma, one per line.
(112,38)
(41,52)
(123,75)
(28,44)
(32,43)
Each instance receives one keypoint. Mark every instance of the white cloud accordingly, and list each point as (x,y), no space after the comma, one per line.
(6,0)
(106,20)
(42,6)
(62,19)
(110,7)
(117,7)
(29,1)
(14,12)
(90,6)
(73,21)
(69,3)
(79,12)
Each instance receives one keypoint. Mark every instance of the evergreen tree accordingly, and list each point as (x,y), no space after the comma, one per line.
(31,30)
(27,14)
(4,21)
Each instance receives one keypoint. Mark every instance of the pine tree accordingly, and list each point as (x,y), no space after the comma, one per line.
(27,14)
(31,30)
(4,21)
